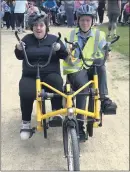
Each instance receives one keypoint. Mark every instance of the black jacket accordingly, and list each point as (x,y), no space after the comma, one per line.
(101,4)
(39,50)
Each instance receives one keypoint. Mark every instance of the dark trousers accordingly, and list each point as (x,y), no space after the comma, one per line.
(122,7)
(7,19)
(19,17)
(126,16)
(112,21)
(27,92)
(80,78)
(100,14)
(70,16)
(61,18)
(13,20)
(53,13)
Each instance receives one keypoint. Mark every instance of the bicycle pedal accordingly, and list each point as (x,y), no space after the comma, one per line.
(32,131)
(100,125)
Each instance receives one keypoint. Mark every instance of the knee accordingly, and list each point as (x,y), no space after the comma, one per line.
(56,81)
(102,69)
(58,84)
(27,88)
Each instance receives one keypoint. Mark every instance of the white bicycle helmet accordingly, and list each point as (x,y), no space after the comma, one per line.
(86,10)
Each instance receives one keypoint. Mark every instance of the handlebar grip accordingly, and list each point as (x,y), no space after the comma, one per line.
(65,40)
(116,39)
(59,34)
(58,37)
(68,41)
(16,34)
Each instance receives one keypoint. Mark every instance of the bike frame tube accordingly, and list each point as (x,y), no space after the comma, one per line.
(53,89)
(54,113)
(96,98)
(38,88)
(64,112)
(84,112)
(39,112)
(83,87)
(69,102)
(39,99)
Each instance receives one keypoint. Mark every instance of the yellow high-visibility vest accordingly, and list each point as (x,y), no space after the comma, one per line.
(90,50)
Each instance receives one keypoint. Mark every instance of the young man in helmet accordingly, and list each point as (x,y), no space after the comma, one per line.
(86,35)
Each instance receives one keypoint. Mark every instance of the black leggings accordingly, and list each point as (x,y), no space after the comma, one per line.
(100,14)
(27,92)
(53,13)
(112,21)
(7,18)
(19,17)
(13,20)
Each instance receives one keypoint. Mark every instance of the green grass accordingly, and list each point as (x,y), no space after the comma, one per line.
(122,45)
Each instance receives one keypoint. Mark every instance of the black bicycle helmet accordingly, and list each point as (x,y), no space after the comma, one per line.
(37,18)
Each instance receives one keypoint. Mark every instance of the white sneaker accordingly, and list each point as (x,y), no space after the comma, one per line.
(23,31)
(25,130)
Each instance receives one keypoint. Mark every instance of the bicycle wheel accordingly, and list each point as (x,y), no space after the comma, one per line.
(72,150)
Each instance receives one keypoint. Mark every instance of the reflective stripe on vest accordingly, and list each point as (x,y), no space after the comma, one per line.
(75,61)
(70,69)
(72,34)
(97,35)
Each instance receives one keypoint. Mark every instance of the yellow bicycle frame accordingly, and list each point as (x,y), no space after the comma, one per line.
(69,102)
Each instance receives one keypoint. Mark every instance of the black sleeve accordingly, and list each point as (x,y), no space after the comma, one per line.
(18,53)
(62,53)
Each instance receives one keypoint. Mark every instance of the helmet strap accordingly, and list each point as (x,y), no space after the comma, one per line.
(84,31)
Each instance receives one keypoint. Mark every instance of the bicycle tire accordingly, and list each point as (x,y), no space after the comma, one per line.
(45,128)
(72,150)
